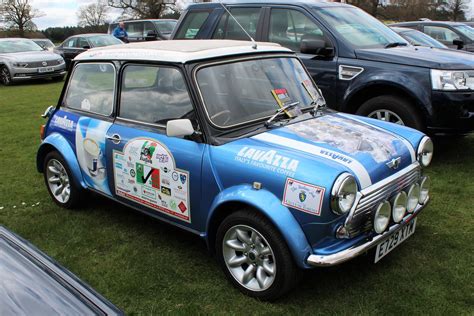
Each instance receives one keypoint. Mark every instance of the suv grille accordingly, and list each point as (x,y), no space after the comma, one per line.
(361,220)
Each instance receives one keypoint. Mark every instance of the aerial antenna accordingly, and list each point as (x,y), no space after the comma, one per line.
(254,43)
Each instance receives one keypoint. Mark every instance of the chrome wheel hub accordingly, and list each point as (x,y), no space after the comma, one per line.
(249,258)
(58,181)
(387,116)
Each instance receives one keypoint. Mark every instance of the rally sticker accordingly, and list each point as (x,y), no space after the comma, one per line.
(303,196)
(145,172)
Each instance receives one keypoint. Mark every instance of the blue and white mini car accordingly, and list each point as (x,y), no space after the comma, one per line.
(233,142)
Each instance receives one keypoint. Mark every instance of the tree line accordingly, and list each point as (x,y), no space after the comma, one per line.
(17,15)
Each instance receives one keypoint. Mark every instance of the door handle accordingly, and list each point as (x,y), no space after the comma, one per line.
(115,138)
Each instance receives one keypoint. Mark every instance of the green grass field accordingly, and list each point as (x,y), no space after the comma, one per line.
(148,267)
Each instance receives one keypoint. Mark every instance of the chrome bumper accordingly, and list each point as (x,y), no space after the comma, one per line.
(348,254)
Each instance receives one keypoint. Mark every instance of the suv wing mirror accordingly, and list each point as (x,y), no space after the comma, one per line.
(459,43)
(316,47)
(179,128)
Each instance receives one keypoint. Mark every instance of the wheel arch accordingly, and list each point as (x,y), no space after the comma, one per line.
(56,142)
(356,97)
(266,204)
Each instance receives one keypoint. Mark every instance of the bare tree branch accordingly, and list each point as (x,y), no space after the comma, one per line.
(19,14)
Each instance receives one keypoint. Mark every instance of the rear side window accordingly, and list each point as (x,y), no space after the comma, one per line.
(91,88)
(229,29)
(192,24)
(154,95)
(440,33)
(134,29)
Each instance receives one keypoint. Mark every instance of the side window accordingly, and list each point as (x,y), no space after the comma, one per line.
(442,34)
(134,29)
(71,43)
(91,88)
(229,29)
(147,28)
(192,24)
(289,27)
(81,42)
(154,94)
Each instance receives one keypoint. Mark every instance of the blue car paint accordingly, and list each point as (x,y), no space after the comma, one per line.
(218,175)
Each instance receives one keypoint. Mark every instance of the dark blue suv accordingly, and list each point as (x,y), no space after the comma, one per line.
(360,65)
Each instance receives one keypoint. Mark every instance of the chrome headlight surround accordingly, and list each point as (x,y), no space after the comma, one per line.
(413,197)
(425,151)
(447,80)
(399,207)
(343,194)
(424,189)
(382,217)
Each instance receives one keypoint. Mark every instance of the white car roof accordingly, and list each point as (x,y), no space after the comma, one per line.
(178,51)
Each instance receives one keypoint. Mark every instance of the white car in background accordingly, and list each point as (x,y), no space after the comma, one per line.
(22,59)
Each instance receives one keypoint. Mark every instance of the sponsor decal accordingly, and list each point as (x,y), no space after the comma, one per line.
(154,179)
(303,196)
(63,123)
(268,159)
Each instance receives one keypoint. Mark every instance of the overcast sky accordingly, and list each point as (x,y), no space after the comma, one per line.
(63,12)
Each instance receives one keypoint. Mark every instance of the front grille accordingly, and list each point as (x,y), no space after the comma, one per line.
(361,220)
(38,64)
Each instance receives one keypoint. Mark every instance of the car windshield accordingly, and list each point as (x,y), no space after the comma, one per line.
(44,43)
(418,38)
(358,28)
(104,40)
(466,31)
(165,27)
(245,91)
(18,46)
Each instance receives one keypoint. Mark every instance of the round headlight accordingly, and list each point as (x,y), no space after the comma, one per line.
(343,194)
(413,197)
(424,189)
(382,217)
(425,151)
(399,206)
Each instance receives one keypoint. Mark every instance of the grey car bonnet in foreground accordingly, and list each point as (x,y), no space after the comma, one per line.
(31,283)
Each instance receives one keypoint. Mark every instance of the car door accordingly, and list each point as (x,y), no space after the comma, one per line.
(69,49)
(288,27)
(88,105)
(153,172)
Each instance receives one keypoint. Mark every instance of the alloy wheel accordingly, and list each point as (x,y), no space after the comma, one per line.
(249,258)
(5,76)
(387,116)
(58,181)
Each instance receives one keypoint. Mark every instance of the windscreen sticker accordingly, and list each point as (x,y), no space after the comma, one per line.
(283,99)
(145,172)
(303,196)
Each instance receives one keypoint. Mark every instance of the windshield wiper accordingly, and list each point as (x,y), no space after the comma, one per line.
(395,44)
(280,111)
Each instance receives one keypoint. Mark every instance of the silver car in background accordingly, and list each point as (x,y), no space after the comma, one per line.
(22,59)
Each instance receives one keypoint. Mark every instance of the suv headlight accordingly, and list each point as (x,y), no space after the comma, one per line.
(425,151)
(451,80)
(343,194)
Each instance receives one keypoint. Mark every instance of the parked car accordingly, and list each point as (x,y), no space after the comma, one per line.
(360,64)
(455,35)
(22,59)
(417,38)
(32,283)
(147,30)
(233,142)
(45,43)
(77,44)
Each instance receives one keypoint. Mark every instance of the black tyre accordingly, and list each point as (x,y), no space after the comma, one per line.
(254,256)
(5,77)
(392,109)
(59,181)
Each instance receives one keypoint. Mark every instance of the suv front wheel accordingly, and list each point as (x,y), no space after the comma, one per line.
(392,109)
